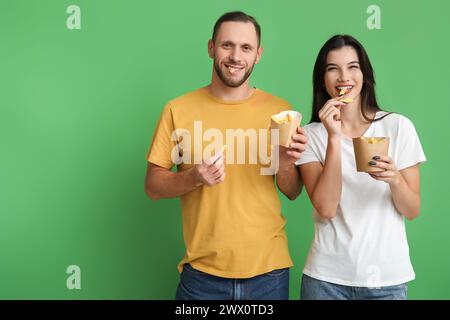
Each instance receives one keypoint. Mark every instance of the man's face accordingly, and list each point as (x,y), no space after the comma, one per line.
(235,52)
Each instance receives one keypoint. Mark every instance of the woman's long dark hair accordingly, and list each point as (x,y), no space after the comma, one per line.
(369,102)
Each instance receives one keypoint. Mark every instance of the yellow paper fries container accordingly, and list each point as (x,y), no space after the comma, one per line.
(287,123)
(365,148)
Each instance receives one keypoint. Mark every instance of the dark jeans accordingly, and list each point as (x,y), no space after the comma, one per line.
(314,289)
(197,285)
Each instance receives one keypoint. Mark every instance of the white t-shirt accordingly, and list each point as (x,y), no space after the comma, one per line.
(365,244)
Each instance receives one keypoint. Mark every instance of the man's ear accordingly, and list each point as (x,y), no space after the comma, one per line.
(259,54)
(211,49)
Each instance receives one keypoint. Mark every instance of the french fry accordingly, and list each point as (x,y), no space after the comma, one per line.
(282,120)
(373,140)
(342,92)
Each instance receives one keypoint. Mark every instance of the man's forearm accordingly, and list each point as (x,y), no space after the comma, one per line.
(289,181)
(162,183)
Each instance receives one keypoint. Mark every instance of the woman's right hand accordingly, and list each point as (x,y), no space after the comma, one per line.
(330,115)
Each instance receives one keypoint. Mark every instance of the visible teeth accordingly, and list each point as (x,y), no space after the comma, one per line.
(233,69)
(344,87)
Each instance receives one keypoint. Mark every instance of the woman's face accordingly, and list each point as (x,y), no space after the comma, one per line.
(343,71)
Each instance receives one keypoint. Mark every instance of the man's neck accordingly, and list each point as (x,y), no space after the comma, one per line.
(225,93)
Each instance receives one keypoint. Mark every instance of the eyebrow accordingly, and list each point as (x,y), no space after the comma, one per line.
(232,43)
(335,65)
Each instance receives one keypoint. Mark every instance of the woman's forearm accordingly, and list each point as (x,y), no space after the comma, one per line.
(406,200)
(327,192)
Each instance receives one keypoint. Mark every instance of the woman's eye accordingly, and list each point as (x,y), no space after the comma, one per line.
(331,69)
(354,67)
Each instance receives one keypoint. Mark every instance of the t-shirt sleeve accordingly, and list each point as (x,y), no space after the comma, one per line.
(162,143)
(311,153)
(410,150)
(283,105)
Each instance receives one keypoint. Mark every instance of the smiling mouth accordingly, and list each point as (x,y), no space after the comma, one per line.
(233,68)
(343,90)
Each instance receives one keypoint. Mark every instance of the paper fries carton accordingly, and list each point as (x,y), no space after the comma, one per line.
(287,123)
(366,148)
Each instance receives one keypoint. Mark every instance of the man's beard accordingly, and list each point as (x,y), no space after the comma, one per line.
(230,82)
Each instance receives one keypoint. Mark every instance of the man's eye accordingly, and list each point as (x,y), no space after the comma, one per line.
(226,45)
(246,48)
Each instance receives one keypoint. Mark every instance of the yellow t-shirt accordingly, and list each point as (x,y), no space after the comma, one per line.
(233,229)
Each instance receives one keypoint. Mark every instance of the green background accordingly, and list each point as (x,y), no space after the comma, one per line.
(78,110)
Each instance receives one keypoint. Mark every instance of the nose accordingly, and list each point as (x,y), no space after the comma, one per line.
(343,76)
(235,55)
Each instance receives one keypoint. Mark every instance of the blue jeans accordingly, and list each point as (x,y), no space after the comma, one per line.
(197,285)
(314,289)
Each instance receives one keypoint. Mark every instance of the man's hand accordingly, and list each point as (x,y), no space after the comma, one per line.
(211,171)
(288,156)
(289,180)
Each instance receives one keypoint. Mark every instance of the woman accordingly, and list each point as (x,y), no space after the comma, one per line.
(360,250)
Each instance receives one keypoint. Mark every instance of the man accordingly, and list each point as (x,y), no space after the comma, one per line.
(236,245)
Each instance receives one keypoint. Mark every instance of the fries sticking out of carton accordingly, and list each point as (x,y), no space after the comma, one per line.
(282,118)
(287,123)
(366,148)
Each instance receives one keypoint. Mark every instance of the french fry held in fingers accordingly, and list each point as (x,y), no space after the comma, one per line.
(343,91)
(341,94)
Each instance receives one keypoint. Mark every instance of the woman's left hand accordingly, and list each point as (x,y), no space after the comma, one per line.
(390,174)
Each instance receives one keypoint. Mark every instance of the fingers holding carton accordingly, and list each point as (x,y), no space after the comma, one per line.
(298,143)
(365,148)
(291,137)
(389,172)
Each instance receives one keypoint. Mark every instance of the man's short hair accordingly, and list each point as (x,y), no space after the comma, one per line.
(237,16)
